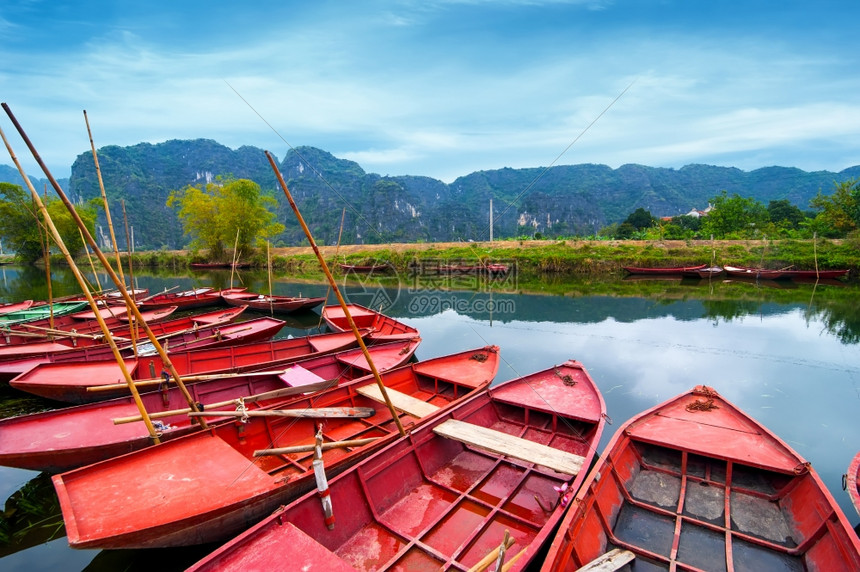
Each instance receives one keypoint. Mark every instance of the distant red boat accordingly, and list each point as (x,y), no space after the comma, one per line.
(852,482)
(187,300)
(65,439)
(676,270)
(208,265)
(271,304)
(74,349)
(504,461)
(211,485)
(696,484)
(784,274)
(365,268)
(232,359)
(69,382)
(383,328)
(489,268)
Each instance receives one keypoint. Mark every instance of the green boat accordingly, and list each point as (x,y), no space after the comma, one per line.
(41,312)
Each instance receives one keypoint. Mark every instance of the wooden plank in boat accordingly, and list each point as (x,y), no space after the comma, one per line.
(516,447)
(609,562)
(401,401)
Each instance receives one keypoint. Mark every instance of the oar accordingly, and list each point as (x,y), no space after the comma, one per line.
(201,377)
(309,412)
(311,447)
(274,394)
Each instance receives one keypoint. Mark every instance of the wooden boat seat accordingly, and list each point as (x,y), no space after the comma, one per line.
(609,562)
(401,401)
(516,447)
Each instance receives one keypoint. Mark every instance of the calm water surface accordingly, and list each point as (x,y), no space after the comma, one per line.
(790,360)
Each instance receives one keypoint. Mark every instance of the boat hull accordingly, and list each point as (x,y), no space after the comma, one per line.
(64,439)
(382,327)
(695,483)
(209,486)
(427,502)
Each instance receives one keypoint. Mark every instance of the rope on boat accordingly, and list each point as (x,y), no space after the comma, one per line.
(566,378)
(702,405)
(240,407)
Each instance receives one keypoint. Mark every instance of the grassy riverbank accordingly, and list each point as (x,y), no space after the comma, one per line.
(582,258)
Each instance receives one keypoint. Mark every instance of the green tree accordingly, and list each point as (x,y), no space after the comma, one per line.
(839,213)
(212,215)
(20,232)
(734,217)
(640,219)
(783,213)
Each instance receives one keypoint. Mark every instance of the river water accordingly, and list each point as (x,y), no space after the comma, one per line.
(785,354)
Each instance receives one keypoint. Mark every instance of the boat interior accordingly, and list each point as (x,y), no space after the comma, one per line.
(433,503)
(680,511)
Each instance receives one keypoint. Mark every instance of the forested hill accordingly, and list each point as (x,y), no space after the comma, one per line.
(560,201)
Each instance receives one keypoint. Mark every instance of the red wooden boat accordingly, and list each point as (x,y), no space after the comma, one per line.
(17,358)
(271,304)
(445,496)
(674,270)
(383,328)
(852,482)
(7,307)
(489,268)
(209,486)
(365,268)
(187,300)
(72,437)
(78,325)
(696,484)
(784,274)
(223,359)
(70,381)
(209,265)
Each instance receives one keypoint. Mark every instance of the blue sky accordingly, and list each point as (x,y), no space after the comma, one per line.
(442,88)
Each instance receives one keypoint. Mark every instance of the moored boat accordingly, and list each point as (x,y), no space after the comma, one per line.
(7,307)
(209,486)
(78,325)
(382,327)
(365,268)
(672,270)
(252,356)
(64,439)
(271,304)
(784,273)
(852,482)
(186,300)
(696,484)
(42,311)
(16,359)
(502,462)
(70,381)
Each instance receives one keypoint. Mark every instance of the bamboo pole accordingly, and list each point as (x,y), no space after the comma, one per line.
(274,394)
(119,283)
(337,293)
(493,555)
(269,273)
(133,326)
(304,413)
(104,199)
(309,448)
(46,253)
(61,245)
(235,258)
